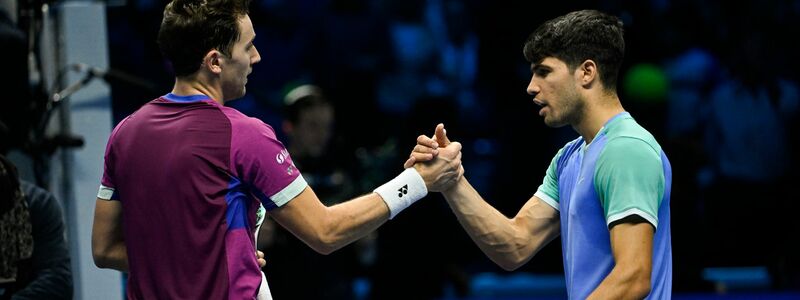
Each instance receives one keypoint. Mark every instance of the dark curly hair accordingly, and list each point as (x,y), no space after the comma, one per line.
(191,28)
(577,37)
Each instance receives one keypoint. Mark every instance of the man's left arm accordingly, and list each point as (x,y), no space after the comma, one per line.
(108,242)
(632,247)
(630,179)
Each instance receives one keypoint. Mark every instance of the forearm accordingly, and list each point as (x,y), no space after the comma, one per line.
(623,283)
(349,221)
(495,234)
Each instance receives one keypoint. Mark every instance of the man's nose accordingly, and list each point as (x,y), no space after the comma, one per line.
(533,89)
(257,57)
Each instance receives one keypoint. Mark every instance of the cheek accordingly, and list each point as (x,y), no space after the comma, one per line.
(550,88)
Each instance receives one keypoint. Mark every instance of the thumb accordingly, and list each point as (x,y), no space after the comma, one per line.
(441,135)
(410,162)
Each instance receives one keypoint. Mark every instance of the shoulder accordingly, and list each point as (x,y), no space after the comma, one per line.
(138,114)
(119,126)
(628,133)
(629,145)
(43,204)
(572,145)
(251,138)
(628,158)
(239,119)
(244,125)
(569,148)
(630,148)
(35,194)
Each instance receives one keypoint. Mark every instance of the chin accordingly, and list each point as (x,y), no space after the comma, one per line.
(241,94)
(553,123)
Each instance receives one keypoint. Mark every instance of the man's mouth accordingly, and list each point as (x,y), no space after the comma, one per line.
(542,104)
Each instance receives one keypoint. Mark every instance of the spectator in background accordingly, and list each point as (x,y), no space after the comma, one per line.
(691,76)
(291,266)
(310,127)
(450,22)
(34,259)
(413,74)
(747,137)
(615,225)
(231,168)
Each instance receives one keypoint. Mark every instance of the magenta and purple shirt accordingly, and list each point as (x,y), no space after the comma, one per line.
(191,175)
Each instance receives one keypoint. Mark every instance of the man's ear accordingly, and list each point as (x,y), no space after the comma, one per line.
(213,61)
(587,74)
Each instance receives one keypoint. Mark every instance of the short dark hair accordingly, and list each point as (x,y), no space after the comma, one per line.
(301,99)
(578,36)
(191,28)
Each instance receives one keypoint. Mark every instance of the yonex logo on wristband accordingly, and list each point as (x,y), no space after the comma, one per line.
(402,191)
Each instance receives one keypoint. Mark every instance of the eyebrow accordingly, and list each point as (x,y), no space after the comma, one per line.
(251,41)
(539,67)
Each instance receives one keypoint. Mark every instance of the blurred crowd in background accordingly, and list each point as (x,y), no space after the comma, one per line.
(349,85)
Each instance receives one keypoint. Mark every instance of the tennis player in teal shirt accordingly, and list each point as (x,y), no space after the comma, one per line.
(606,193)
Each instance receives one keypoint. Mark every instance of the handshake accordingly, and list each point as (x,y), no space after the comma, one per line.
(437,160)
(436,166)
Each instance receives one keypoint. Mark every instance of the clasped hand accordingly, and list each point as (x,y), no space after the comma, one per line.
(437,160)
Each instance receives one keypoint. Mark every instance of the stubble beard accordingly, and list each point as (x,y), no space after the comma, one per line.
(571,111)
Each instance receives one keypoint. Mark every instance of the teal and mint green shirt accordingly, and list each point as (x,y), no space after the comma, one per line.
(622,173)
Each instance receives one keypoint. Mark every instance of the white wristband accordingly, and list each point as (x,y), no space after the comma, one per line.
(402,191)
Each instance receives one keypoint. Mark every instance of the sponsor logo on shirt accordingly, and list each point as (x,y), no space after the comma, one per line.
(281,157)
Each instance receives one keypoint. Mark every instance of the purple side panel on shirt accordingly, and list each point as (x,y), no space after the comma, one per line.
(245,277)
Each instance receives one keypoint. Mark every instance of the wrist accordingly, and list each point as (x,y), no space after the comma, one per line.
(453,188)
(402,191)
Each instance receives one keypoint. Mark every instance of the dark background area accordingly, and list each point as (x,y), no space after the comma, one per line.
(394,69)
(714,81)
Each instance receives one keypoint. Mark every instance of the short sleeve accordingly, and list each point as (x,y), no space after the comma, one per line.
(107,189)
(629,179)
(264,164)
(548,190)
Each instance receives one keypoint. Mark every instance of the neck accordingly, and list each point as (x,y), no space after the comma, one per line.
(597,112)
(191,85)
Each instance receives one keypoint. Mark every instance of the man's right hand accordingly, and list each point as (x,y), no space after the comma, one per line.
(437,160)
